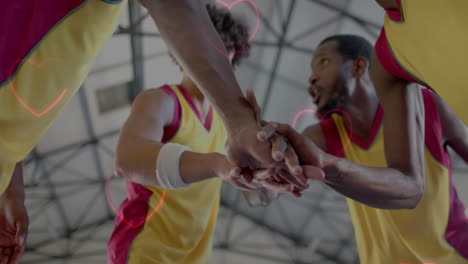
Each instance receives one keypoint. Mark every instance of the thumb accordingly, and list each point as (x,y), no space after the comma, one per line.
(21,230)
(296,139)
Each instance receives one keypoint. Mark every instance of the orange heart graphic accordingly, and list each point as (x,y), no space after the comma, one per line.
(252,35)
(122,217)
(46,109)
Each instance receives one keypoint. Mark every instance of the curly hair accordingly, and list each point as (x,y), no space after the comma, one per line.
(232,30)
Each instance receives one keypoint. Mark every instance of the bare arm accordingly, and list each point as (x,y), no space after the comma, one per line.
(14,219)
(16,186)
(376,187)
(189,34)
(140,143)
(401,184)
(454,131)
(388,4)
(403,128)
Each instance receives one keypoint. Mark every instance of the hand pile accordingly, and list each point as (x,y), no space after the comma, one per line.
(272,156)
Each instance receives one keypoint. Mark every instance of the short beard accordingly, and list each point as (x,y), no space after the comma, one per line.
(325,111)
(338,102)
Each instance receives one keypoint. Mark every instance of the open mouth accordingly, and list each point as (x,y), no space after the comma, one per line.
(315,95)
(316,99)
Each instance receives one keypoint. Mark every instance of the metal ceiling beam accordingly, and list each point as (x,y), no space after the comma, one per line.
(60,150)
(278,56)
(261,223)
(355,18)
(91,133)
(342,20)
(314,29)
(136,45)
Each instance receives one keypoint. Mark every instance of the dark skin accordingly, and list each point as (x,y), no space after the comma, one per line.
(212,72)
(388,4)
(455,135)
(329,90)
(181,23)
(385,188)
(13,219)
(185,27)
(403,144)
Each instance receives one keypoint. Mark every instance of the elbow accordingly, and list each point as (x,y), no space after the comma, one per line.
(411,203)
(122,166)
(120,171)
(415,193)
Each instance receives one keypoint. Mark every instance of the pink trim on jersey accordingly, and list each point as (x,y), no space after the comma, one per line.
(134,209)
(456,233)
(388,61)
(332,138)
(376,124)
(209,116)
(395,15)
(209,119)
(23,24)
(433,130)
(171,130)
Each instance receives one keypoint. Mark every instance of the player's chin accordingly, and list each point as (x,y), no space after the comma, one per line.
(325,110)
(322,113)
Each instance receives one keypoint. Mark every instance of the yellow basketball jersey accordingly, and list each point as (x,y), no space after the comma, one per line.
(436,231)
(52,44)
(430,42)
(179,229)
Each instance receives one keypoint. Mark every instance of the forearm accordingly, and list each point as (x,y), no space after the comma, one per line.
(196,167)
(383,188)
(192,39)
(16,186)
(138,163)
(462,150)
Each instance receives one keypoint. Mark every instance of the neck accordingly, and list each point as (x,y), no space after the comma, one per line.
(362,110)
(191,88)
(198,98)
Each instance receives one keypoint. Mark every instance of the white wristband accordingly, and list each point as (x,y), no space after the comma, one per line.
(167,166)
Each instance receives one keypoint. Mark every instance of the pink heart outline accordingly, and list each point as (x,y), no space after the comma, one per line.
(347,117)
(119,215)
(49,107)
(251,37)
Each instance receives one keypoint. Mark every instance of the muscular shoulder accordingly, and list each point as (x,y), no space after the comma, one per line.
(452,127)
(154,104)
(315,133)
(388,4)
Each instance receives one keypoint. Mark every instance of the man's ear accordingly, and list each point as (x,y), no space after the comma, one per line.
(359,67)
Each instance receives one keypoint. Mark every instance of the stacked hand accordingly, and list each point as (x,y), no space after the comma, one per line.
(13,224)
(267,154)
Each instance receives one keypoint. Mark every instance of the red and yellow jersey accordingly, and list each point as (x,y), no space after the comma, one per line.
(46,47)
(155,225)
(426,41)
(436,231)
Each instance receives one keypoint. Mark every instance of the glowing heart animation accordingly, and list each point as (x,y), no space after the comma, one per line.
(49,105)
